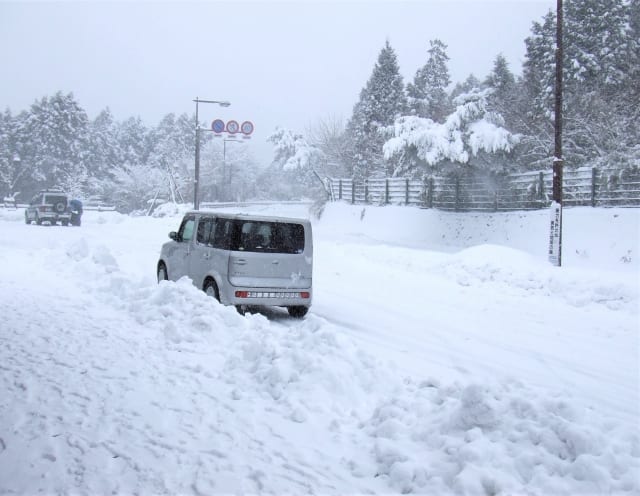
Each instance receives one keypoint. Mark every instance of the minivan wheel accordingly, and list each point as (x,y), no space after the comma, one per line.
(298,312)
(211,288)
(162,272)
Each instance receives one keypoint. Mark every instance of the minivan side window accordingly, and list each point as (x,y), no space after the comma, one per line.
(223,233)
(206,229)
(186,228)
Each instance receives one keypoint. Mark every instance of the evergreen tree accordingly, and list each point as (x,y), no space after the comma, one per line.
(596,52)
(381,101)
(104,154)
(471,131)
(10,163)
(631,80)
(467,86)
(134,142)
(427,95)
(57,132)
(503,85)
(539,68)
(595,44)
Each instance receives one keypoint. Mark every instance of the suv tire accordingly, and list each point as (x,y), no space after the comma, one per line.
(38,219)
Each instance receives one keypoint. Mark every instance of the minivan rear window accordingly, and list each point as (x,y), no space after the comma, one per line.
(267,237)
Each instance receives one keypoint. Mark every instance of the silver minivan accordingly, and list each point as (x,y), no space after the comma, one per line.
(243,260)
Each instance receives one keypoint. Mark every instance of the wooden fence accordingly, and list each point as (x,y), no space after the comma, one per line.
(490,192)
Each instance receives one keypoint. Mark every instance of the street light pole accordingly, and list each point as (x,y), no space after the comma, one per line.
(224,161)
(196,181)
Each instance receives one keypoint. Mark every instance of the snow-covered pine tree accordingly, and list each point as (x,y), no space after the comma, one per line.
(539,68)
(632,80)
(381,101)
(428,95)
(57,132)
(134,142)
(503,85)
(470,130)
(595,45)
(468,85)
(595,42)
(103,153)
(11,167)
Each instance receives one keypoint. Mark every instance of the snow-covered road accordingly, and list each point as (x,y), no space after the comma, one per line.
(423,366)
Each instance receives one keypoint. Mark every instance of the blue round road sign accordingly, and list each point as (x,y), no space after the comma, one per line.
(233,127)
(217,126)
(247,127)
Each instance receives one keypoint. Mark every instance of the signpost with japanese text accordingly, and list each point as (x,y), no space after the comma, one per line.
(555,234)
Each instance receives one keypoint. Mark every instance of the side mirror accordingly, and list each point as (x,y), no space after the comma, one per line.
(173,235)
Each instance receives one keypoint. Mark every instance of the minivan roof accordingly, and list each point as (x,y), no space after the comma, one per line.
(263,218)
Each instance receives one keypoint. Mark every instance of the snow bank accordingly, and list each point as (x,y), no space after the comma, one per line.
(499,439)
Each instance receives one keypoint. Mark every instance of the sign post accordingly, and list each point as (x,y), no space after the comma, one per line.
(555,236)
(555,240)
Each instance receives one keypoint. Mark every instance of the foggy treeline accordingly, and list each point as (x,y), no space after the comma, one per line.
(393,129)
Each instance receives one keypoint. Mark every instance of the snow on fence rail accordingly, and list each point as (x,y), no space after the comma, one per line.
(490,192)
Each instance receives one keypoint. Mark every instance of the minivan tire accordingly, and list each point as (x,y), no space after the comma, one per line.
(211,288)
(298,311)
(162,272)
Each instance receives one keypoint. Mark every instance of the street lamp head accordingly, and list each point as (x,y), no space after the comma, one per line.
(221,103)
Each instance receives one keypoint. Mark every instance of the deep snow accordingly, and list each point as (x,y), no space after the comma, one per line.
(443,354)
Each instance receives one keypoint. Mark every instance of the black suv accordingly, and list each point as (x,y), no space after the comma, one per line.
(50,206)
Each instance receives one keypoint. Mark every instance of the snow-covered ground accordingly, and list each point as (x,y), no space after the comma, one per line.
(443,354)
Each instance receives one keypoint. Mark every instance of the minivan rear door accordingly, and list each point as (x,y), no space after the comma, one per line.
(267,254)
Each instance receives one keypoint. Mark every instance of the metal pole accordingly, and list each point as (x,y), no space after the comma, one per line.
(224,168)
(197,166)
(196,181)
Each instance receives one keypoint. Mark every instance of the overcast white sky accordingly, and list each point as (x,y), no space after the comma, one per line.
(278,63)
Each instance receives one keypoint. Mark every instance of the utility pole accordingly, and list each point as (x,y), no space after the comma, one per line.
(555,239)
(196,200)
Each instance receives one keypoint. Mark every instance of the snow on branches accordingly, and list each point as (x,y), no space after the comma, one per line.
(292,151)
(470,129)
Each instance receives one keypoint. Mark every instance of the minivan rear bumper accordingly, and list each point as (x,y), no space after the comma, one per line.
(279,297)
